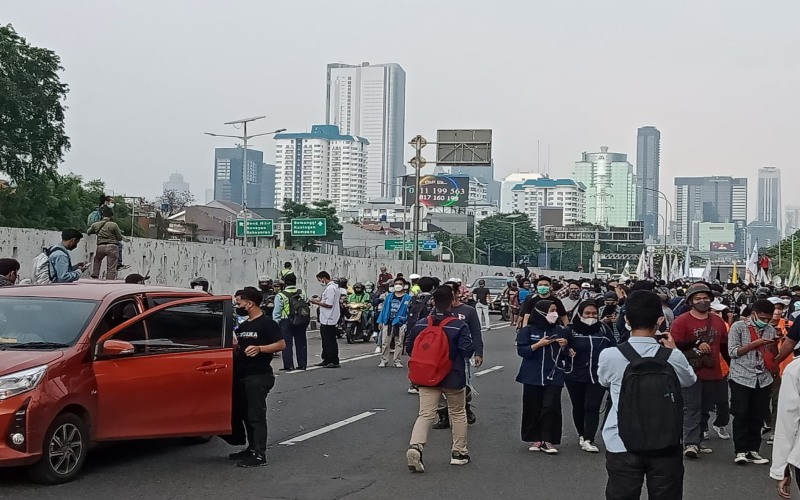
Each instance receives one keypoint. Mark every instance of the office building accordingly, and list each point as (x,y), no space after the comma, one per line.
(507,185)
(610,187)
(369,101)
(321,165)
(648,166)
(176,183)
(532,195)
(715,199)
(228,177)
(791,219)
(769,199)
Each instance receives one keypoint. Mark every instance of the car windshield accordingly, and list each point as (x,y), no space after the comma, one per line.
(30,322)
(492,282)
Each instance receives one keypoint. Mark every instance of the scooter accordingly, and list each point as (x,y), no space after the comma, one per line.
(357,322)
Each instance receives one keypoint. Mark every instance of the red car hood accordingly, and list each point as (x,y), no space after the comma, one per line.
(13,361)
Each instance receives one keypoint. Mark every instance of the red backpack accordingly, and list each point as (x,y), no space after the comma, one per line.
(430,359)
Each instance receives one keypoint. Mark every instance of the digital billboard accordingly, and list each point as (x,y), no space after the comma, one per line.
(439,190)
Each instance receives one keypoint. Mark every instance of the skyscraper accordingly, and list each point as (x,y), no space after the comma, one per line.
(369,101)
(708,199)
(610,187)
(228,177)
(648,165)
(769,197)
(176,183)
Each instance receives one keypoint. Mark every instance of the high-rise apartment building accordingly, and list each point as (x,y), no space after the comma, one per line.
(228,177)
(648,166)
(321,165)
(532,194)
(610,187)
(791,219)
(769,197)
(176,183)
(369,101)
(507,185)
(708,199)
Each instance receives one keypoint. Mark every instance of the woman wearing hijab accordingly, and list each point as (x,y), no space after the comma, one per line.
(589,338)
(543,347)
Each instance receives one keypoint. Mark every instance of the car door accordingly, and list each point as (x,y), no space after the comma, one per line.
(177,382)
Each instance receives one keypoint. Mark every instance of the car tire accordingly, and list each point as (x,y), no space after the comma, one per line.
(64,450)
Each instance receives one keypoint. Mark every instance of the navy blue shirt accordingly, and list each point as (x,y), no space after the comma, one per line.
(544,366)
(461,348)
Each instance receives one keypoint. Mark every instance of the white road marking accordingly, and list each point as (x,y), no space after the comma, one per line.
(488,370)
(327,428)
(356,358)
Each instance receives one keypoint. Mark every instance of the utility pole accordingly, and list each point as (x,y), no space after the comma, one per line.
(417,162)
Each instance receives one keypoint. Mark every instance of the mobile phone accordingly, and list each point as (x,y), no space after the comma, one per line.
(662,336)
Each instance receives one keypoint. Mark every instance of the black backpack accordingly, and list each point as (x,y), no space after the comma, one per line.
(419,308)
(650,410)
(299,309)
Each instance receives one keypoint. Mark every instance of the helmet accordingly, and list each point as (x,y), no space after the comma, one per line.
(358,285)
(279,283)
(763,292)
(199,283)
(695,289)
(369,285)
(342,282)
(414,277)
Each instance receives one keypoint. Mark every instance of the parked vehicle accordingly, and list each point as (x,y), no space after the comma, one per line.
(87,362)
(496,285)
(357,322)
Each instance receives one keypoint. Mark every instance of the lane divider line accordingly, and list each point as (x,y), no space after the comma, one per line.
(341,362)
(327,428)
(488,370)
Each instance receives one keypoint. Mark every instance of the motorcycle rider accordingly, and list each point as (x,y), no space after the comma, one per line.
(200,283)
(361,296)
(415,289)
(265,285)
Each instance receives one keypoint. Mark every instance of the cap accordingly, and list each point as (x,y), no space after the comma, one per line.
(264,279)
(414,277)
(718,306)
(135,278)
(778,300)
(586,285)
(610,295)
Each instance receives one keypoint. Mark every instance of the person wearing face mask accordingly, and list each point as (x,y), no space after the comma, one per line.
(329,314)
(258,338)
(701,336)
(543,292)
(9,272)
(572,299)
(392,322)
(589,338)
(542,345)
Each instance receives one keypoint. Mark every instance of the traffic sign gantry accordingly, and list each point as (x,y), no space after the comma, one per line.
(309,227)
(255,227)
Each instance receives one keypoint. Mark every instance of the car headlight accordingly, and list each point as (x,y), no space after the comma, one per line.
(20,382)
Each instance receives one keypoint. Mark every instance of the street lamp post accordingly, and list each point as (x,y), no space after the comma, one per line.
(513,236)
(244,138)
(669,209)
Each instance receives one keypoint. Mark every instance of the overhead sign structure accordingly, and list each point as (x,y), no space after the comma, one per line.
(255,228)
(427,245)
(309,227)
(456,148)
(438,190)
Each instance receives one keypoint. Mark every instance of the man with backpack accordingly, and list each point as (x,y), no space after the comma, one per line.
(440,346)
(644,429)
(420,307)
(54,265)
(292,312)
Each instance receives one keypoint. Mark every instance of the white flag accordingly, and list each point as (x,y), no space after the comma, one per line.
(641,267)
(707,272)
(687,264)
(751,275)
(675,270)
(665,268)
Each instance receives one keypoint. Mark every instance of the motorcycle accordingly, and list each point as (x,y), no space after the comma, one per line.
(357,322)
(501,304)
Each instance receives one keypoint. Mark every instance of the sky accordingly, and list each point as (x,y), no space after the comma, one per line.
(719,78)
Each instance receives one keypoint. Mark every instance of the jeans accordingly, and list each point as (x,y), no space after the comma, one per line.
(775,389)
(294,335)
(586,400)
(119,247)
(110,252)
(627,472)
(541,413)
(698,400)
(330,347)
(456,404)
(250,411)
(398,332)
(483,315)
(748,407)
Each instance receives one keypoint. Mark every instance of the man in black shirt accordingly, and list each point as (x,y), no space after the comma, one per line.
(481,296)
(259,337)
(543,291)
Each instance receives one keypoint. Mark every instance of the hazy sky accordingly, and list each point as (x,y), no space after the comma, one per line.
(719,78)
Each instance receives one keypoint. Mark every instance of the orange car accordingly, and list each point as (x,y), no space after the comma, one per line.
(100,361)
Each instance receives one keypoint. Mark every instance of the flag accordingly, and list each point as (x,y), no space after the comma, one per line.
(718,278)
(751,273)
(665,268)
(626,271)
(687,264)
(790,278)
(675,270)
(651,273)
(641,267)
(707,272)
(735,275)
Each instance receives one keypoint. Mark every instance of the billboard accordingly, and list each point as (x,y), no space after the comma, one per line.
(551,216)
(439,190)
(464,147)
(723,246)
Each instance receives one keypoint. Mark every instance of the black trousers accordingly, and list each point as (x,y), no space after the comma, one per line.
(586,400)
(748,407)
(627,472)
(330,346)
(541,413)
(294,335)
(249,416)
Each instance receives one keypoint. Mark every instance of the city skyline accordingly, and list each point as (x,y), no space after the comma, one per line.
(648,171)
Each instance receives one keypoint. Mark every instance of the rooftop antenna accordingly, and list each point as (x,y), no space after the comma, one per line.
(548,159)
(538,154)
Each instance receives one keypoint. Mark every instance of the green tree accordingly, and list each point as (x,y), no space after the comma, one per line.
(496,237)
(317,210)
(32,138)
(458,243)
(174,201)
(48,201)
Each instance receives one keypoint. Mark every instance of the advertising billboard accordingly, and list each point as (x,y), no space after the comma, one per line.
(439,190)
(723,246)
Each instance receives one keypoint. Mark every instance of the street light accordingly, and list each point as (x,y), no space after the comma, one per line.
(669,210)
(405,208)
(513,235)
(244,138)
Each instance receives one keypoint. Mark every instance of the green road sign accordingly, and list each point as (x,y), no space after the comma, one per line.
(255,227)
(428,245)
(309,227)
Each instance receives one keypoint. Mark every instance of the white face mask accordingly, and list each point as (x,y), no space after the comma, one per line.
(552,317)
(111,205)
(398,288)
(589,321)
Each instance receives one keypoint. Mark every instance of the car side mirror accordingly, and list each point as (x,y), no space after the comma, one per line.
(115,349)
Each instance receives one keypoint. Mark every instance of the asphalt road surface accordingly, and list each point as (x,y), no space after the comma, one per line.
(342,434)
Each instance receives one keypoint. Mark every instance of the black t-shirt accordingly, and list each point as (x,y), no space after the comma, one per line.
(794,334)
(533,298)
(482,293)
(260,331)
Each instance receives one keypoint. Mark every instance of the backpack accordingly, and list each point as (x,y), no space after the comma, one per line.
(430,359)
(42,270)
(94,217)
(299,309)
(420,308)
(650,410)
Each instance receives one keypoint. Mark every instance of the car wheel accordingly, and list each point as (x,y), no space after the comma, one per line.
(63,451)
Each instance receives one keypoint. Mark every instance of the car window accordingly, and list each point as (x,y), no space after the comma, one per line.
(493,282)
(28,320)
(117,314)
(187,327)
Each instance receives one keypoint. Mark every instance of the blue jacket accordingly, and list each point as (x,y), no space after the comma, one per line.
(544,366)
(461,348)
(402,313)
(61,267)
(583,367)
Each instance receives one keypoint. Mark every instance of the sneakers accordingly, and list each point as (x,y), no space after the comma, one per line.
(398,364)
(252,461)
(581,441)
(535,446)
(704,449)
(692,451)
(590,447)
(754,458)
(413,389)
(378,350)
(382,364)
(722,432)
(771,439)
(241,455)
(459,458)
(414,458)
(740,459)
(549,449)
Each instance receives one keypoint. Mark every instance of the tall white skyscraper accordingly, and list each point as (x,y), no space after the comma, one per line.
(321,165)
(369,101)
(610,187)
(176,183)
(769,196)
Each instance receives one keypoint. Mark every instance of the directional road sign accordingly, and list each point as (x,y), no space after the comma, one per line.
(309,227)
(390,245)
(255,227)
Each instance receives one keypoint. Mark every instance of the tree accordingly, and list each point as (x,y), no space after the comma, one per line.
(458,243)
(174,201)
(318,210)
(496,237)
(32,138)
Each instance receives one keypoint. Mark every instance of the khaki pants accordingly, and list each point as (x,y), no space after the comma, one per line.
(387,342)
(111,254)
(456,404)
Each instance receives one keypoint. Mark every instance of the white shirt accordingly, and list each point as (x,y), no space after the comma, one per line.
(330,296)
(786,449)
